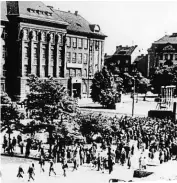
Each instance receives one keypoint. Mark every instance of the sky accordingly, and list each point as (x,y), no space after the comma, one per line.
(126,22)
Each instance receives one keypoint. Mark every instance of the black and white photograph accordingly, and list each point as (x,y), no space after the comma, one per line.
(88,91)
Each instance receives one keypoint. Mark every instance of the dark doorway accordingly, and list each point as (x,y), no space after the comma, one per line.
(77,90)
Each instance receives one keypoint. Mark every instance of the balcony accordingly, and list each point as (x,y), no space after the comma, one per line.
(74,65)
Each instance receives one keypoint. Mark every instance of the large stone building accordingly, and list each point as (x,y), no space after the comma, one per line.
(48,42)
(163,52)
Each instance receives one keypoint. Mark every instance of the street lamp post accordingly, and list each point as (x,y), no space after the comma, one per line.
(133,102)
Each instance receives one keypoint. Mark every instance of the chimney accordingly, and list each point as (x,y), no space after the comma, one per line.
(12,7)
(51,7)
(76,13)
(117,47)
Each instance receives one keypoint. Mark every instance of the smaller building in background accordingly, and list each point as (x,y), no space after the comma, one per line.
(123,58)
(141,64)
(163,52)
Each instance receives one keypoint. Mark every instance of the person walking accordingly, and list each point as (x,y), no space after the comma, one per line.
(42,163)
(51,168)
(110,164)
(64,167)
(31,172)
(20,172)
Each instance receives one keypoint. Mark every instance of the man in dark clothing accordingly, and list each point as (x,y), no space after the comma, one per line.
(14,142)
(31,172)
(42,163)
(20,171)
(98,162)
(110,164)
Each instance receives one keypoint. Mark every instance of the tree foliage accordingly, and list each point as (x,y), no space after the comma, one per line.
(163,77)
(105,87)
(48,103)
(10,115)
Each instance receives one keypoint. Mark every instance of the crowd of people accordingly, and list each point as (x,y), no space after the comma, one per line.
(152,135)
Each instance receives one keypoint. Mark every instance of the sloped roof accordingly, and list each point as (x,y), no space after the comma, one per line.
(34,10)
(167,39)
(3,11)
(76,22)
(120,50)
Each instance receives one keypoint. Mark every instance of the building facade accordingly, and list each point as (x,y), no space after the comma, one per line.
(40,42)
(141,64)
(123,58)
(84,52)
(4,24)
(163,52)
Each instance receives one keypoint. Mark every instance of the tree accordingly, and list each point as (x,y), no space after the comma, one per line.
(143,86)
(48,102)
(10,115)
(163,77)
(104,88)
(88,124)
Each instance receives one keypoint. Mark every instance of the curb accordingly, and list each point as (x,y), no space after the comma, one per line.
(18,156)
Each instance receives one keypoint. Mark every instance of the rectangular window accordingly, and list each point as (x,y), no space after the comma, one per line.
(175,56)
(59,58)
(43,71)
(67,73)
(166,56)
(68,57)
(26,53)
(85,43)
(171,56)
(126,61)
(26,70)
(79,43)
(126,69)
(85,58)
(74,42)
(3,51)
(73,72)
(68,43)
(74,58)
(44,52)
(52,56)
(2,87)
(78,74)
(51,70)
(80,58)
(96,45)
(35,55)
(34,69)
(60,71)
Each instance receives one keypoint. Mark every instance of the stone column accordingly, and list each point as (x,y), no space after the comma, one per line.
(48,54)
(40,54)
(31,52)
(22,53)
(56,66)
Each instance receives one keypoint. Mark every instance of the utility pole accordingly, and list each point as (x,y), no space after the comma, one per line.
(133,102)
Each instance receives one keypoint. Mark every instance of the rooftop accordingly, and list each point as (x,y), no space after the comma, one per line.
(30,10)
(124,50)
(77,23)
(167,39)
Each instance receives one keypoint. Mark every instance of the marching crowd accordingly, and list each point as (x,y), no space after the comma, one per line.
(152,135)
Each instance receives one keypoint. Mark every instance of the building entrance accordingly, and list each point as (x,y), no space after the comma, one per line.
(77,90)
